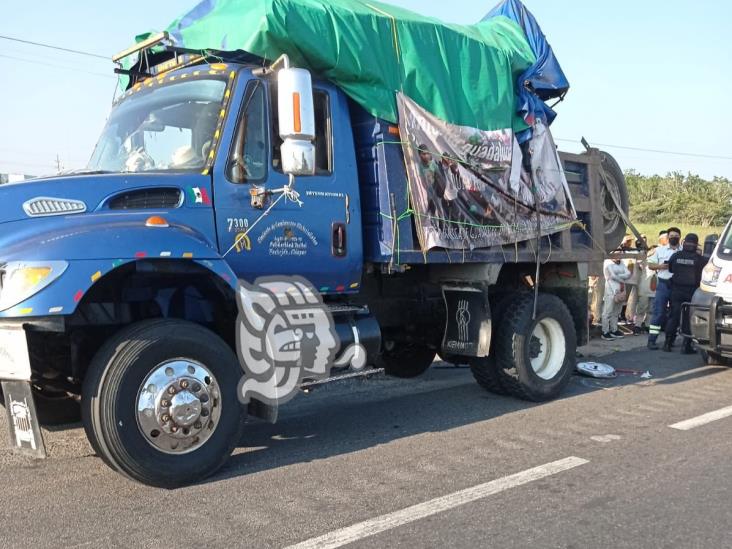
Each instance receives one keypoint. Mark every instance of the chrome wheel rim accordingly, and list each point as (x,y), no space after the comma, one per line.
(178,406)
(547,348)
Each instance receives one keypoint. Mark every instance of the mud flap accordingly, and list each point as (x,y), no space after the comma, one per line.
(25,430)
(468,328)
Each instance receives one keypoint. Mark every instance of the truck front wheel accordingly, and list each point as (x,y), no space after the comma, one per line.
(159,402)
(536,357)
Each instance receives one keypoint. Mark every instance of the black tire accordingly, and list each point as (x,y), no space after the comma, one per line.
(515,343)
(456,360)
(407,360)
(613,182)
(110,393)
(485,371)
(715,359)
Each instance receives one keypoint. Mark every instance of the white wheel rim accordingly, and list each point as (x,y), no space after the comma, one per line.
(547,348)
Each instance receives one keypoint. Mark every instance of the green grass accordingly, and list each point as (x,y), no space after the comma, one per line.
(651,230)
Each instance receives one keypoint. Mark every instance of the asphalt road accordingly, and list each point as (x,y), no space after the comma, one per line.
(434,462)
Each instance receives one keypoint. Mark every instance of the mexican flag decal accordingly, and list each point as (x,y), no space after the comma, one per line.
(200,196)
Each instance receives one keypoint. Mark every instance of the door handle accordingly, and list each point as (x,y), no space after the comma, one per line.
(338,239)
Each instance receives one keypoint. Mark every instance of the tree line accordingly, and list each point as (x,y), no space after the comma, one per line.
(696,201)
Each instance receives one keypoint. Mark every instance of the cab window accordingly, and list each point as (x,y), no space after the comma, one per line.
(323,133)
(248,157)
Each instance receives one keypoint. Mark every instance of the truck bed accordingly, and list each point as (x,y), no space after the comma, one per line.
(389,233)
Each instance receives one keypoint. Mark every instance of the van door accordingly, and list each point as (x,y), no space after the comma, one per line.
(320,239)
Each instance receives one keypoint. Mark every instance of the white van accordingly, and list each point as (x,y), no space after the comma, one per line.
(710,310)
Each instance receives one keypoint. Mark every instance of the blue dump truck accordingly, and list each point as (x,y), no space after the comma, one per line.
(118,283)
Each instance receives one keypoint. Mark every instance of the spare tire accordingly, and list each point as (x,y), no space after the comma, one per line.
(613,185)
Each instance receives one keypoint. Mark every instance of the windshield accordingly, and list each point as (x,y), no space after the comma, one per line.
(162,128)
(725,247)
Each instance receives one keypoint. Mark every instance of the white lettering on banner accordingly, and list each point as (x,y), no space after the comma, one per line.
(496,152)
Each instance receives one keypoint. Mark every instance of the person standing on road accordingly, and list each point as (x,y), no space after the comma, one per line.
(686,266)
(616,273)
(631,286)
(658,262)
(597,295)
(646,294)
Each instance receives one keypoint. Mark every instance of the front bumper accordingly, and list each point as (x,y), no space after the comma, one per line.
(709,323)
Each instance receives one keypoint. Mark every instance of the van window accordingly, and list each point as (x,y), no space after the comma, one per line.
(323,133)
(724,249)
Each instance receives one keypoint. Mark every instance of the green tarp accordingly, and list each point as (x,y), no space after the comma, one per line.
(465,75)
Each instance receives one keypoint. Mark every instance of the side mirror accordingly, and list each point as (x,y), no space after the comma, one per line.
(296,120)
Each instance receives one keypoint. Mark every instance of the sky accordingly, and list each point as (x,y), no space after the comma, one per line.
(648,74)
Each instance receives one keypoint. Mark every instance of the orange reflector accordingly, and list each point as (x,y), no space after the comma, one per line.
(297,122)
(394,130)
(156,221)
(218,66)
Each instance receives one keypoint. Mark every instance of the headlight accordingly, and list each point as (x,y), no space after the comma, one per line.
(21,280)
(710,274)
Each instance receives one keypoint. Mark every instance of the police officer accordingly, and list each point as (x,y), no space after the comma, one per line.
(686,267)
(658,262)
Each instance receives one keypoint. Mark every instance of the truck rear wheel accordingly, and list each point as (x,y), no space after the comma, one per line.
(159,402)
(715,359)
(535,357)
(485,371)
(407,360)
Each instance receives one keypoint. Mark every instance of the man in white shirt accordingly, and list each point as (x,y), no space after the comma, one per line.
(616,273)
(658,262)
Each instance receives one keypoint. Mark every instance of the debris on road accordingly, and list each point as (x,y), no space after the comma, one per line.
(643,375)
(596,369)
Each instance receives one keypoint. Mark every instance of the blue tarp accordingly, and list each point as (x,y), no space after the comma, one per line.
(544,79)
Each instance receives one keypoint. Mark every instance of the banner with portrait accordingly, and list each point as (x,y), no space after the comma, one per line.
(469,188)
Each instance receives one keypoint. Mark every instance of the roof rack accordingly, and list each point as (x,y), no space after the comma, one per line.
(167,57)
(151,41)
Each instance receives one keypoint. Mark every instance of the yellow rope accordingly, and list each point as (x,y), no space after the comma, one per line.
(394,31)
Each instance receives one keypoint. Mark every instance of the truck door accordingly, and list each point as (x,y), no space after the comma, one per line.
(320,240)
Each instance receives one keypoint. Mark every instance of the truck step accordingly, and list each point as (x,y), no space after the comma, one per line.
(366,373)
(337,309)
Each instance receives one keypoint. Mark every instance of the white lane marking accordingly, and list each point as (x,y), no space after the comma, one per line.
(374,526)
(702,419)
(605,438)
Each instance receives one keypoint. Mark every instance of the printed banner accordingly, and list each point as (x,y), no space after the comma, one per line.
(468,187)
